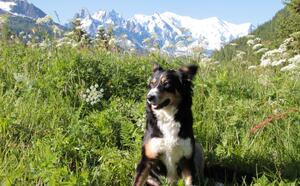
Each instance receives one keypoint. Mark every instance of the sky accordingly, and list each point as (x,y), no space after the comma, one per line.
(235,11)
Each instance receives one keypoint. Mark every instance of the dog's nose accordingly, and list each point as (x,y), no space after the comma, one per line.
(150,98)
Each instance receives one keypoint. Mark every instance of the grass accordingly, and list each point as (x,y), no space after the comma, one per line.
(49,136)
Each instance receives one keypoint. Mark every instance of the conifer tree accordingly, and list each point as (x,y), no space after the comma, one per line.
(79,35)
(4,29)
(294,5)
(104,38)
(100,40)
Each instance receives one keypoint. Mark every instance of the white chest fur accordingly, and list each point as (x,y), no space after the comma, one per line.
(171,147)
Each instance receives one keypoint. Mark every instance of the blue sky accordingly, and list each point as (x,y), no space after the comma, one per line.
(235,11)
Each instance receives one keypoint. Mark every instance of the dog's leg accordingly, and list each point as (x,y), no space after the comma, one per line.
(142,172)
(152,181)
(188,172)
(199,160)
(192,168)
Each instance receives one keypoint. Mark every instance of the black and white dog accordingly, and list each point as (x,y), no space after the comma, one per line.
(169,147)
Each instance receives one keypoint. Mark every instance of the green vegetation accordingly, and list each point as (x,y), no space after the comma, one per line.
(50,135)
(272,34)
(75,115)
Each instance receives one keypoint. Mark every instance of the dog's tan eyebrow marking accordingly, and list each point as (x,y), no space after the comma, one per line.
(163,79)
(153,81)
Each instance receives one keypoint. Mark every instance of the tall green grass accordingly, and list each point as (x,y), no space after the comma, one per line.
(50,136)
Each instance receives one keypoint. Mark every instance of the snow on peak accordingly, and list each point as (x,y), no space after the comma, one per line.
(170,30)
(7,6)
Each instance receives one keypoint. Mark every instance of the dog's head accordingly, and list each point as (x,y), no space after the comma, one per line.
(170,87)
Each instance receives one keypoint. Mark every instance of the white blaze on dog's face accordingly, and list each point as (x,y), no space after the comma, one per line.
(163,88)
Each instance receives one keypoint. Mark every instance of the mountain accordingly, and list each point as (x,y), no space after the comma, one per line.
(24,16)
(21,8)
(170,32)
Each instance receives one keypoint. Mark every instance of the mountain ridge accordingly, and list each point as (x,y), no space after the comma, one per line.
(23,16)
(21,8)
(172,33)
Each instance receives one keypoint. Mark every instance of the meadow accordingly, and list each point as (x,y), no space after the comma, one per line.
(75,116)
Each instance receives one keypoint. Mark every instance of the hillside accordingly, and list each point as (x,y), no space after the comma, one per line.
(72,109)
(22,16)
(273,44)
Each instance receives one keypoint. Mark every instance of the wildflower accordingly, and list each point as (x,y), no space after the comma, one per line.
(295,59)
(290,67)
(240,54)
(44,20)
(112,42)
(264,80)
(250,42)
(277,63)
(257,40)
(91,95)
(261,50)
(257,46)
(20,77)
(252,67)
(265,62)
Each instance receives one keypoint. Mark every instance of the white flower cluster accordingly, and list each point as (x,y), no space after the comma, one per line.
(22,78)
(295,59)
(44,20)
(141,122)
(289,67)
(252,42)
(252,67)
(257,46)
(66,41)
(239,55)
(280,56)
(92,96)
(19,77)
(284,56)
(264,80)
(261,51)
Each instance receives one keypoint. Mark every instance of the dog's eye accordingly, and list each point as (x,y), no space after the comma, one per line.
(166,84)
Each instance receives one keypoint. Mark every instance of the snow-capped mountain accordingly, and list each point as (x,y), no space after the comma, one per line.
(21,8)
(24,16)
(172,33)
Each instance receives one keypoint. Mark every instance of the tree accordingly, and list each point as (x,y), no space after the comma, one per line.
(293,5)
(287,22)
(104,38)
(4,28)
(78,32)
(100,38)
(79,35)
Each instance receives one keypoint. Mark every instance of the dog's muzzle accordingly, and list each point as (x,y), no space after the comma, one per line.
(154,100)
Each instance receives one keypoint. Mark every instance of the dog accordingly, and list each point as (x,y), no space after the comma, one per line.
(169,147)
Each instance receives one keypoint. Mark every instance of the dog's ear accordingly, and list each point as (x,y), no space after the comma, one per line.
(189,72)
(157,67)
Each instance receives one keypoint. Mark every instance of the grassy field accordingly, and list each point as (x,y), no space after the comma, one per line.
(50,134)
